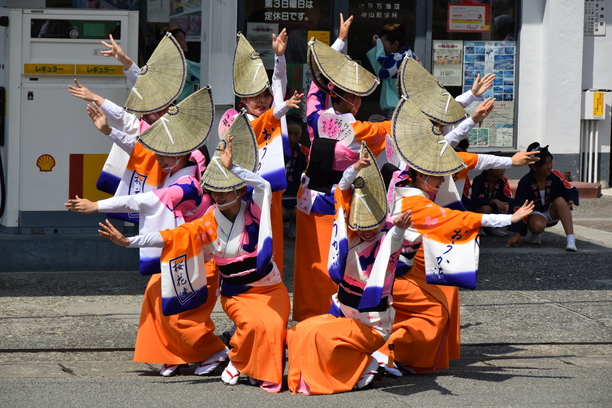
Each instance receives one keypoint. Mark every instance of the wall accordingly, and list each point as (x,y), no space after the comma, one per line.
(556,62)
(596,74)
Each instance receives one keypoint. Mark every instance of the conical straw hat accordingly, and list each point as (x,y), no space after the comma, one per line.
(244,154)
(369,203)
(328,65)
(250,76)
(400,86)
(428,94)
(315,73)
(184,128)
(161,79)
(419,144)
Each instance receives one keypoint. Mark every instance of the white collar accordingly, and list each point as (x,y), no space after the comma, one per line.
(346,116)
(184,172)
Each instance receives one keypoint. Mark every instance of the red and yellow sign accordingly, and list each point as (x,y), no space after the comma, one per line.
(83,175)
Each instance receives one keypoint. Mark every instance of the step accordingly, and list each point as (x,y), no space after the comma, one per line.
(63,252)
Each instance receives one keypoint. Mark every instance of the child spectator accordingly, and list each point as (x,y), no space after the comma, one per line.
(554,199)
(491,194)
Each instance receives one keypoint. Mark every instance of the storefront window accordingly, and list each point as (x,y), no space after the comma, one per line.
(392,19)
(472,37)
(303,19)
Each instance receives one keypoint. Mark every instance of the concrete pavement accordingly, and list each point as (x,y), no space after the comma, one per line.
(536,332)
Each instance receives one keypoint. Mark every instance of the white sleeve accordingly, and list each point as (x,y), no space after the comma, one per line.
(281,110)
(132,73)
(459,132)
(279,81)
(490,161)
(131,124)
(152,239)
(496,220)
(120,118)
(338,45)
(466,98)
(259,184)
(397,238)
(145,203)
(113,112)
(348,177)
(123,140)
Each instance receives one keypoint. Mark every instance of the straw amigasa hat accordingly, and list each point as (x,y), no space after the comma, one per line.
(419,143)
(244,154)
(414,82)
(328,66)
(250,76)
(161,79)
(369,203)
(184,128)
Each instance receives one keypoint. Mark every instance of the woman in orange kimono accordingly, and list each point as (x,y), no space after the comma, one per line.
(313,287)
(266,108)
(442,245)
(237,235)
(331,353)
(168,334)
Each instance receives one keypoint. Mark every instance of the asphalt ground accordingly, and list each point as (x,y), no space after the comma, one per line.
(537,332)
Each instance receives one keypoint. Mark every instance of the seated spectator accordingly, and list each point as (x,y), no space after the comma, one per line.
(554,199)
(491,194)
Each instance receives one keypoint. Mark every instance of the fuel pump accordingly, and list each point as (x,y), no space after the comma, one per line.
(49,148)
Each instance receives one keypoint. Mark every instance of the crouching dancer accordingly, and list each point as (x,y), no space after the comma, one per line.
(332,353)
(237,235)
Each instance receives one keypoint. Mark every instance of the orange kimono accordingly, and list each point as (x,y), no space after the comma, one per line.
(425,334)
(329,353)
(312,286)
(252,292)
(186,337)
(272,168)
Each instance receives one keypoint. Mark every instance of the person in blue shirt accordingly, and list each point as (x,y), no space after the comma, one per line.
(390,48)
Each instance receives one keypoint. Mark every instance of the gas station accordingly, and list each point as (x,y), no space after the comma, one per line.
(49,148)
(50,151)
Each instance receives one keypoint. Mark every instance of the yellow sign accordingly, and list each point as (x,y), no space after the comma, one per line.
(598,104)
(48,69)
(99,69)
(322,36)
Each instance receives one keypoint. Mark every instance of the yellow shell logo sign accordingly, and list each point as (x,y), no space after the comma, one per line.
(45,162)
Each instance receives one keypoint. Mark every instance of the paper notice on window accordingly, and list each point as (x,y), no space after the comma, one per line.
(448,62)
(260,38)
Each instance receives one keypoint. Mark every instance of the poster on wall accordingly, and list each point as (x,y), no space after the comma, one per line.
(448,62)
(499,57)
(260,37)
(468,18)
(187,15)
